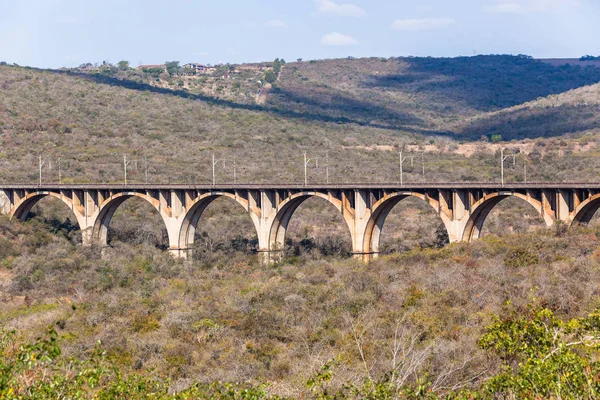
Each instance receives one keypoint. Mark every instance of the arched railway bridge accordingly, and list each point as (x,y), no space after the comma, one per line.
(463,207)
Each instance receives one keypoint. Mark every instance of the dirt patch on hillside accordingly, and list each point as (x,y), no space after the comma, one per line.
(469,149)
(6,277)
(261,96)
(374,147)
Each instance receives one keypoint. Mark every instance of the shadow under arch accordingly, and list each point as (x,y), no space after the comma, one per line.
(481,210)
(22,209)
(382,209)
(584,213)
(192,217)
(279,222)
(110,206)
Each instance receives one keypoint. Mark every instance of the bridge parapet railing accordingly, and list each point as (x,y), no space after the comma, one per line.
(311,186)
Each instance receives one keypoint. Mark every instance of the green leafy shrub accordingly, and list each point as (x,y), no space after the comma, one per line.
(521,256)
(545,357)
(37,371)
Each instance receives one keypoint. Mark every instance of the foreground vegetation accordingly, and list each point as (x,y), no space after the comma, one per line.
(506,316)
(542,356)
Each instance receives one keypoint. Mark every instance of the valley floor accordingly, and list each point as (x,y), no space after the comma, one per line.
(419,312)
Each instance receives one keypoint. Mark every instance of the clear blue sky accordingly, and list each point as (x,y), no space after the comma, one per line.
(56,33)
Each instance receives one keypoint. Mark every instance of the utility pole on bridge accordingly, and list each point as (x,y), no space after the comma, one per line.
(146,169)
(502,159)
(125,164)
(214,164)
(234,171)
(402,159)
(327,166)
(41,164)
(423,164)
(306,161)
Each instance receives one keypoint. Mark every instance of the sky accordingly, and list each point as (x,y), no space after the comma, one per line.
(67,33)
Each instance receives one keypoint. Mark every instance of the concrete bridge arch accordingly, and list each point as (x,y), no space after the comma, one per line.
(382,208)
(107,208)
(188,222)
(480,210)
(585,211)
(21,209)
(276,226)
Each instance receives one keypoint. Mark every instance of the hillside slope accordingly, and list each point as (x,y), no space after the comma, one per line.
(92,121)
(355,113)
(572,112)
(422,93)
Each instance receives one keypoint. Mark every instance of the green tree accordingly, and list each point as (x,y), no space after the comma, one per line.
(172,67)
(123,65)
(37,371)
(270,77)
(276,66)
(496,137)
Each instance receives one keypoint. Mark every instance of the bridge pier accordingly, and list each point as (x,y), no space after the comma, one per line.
(365,257)
(183,253)
(87,236)
(267,257)
(462,208)
(456,230)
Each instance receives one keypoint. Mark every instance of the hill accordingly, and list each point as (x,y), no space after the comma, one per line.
(423,93)
(359,111)
(91,121)
(570,113)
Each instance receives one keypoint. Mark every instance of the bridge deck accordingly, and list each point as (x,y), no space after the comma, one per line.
(310,186)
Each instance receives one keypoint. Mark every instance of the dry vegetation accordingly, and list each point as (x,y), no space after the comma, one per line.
(222,315)
(234,320)
(425,93)
(345,107)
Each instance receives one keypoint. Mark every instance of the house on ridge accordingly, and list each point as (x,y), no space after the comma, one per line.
(195,66)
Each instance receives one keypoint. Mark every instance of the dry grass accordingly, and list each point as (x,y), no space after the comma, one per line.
(234,320)
(360,111)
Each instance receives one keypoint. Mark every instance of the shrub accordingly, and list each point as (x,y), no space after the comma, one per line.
(520,256)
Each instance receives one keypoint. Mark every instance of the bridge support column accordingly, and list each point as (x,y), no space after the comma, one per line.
(460,202)
(5,203)
(87,236)
(183,253)
(362,246)
(177,248)
(365,257)
(564,205)
(268,257)
(262,205)
(87,204)
(456,230)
